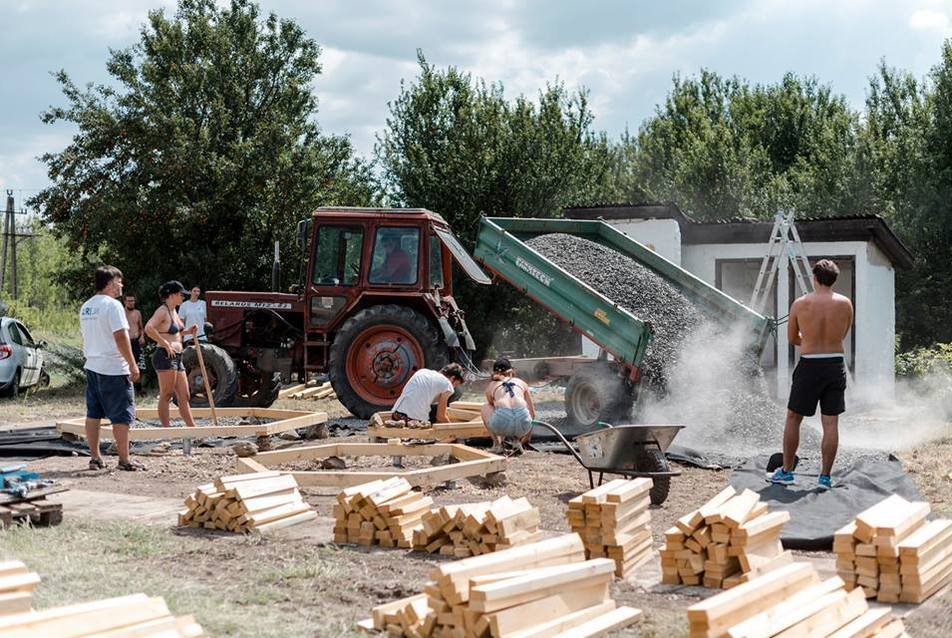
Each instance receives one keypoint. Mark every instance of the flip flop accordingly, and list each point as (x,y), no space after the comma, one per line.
(96,464)
(131,466)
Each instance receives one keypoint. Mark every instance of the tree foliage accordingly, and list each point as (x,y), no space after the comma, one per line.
(908,161)
(456,145)
(723,148)
(200,152)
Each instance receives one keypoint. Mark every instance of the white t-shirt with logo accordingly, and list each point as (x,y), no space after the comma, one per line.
(193,313)
(99,318)
(420,392)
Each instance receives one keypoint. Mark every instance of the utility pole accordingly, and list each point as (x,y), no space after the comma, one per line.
(9,243)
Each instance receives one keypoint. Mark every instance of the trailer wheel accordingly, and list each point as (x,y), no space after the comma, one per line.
(596,393)
(222,376)
(376,351)
(651,459)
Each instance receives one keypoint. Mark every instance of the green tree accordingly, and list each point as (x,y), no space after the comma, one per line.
(721,148)
(908,158)
(201,151)
(456,145)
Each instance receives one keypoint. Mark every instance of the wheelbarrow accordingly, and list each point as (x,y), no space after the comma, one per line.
(629,450)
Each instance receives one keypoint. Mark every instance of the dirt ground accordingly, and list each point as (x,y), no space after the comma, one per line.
(291,585)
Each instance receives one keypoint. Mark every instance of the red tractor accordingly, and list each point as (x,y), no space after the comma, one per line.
(375,304)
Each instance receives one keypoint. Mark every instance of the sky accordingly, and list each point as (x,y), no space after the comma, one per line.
(624,52)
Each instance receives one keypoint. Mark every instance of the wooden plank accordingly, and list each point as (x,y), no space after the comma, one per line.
(778,618)
(888,512)
(829,618)
(560,624)
(604,624)
(537,583)
(866,625)
(87,618)
(927,537)
(287,522)
(757,595)
(710,508)
(537,612)
(735,512)
(12,567)
(759,526)
(16,602)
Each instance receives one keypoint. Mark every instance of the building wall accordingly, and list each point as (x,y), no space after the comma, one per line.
(874,307)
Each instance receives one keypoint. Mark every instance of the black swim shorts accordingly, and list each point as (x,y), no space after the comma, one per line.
(163,363)
(822,381)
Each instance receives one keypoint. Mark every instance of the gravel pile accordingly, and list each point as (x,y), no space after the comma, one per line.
(638,289)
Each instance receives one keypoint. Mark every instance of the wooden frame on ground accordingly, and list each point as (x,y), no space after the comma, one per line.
(285,420)
(472,462)
(378,432)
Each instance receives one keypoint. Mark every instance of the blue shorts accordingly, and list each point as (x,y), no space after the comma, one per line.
(110,397)
(510,422)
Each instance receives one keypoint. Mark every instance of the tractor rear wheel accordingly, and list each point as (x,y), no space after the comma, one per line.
(376,352)
(222,376)
(596,393)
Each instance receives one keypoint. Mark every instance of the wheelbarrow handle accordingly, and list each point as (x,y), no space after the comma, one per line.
(568,446)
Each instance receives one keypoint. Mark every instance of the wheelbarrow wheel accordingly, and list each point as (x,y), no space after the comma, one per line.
(653,460)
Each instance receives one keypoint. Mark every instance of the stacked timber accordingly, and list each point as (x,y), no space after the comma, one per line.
(892,553)
(134,615)
(382,512)
(309,390)
(613,521)
(478,528)
(543,589)
(791,601)
(258,501)
(728,541)
(16,587)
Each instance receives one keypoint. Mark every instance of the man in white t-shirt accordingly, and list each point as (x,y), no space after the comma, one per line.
(193,312)
(425,388)
(110,367)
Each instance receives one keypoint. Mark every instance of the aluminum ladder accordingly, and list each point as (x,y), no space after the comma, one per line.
(784,244)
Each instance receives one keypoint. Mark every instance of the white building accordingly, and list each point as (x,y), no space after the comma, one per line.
(728,255)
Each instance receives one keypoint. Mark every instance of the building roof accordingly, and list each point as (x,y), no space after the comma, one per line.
(751,231)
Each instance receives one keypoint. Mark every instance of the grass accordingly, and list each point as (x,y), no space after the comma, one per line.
(234,586)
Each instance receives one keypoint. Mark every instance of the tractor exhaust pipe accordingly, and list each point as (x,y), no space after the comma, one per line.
(276,269)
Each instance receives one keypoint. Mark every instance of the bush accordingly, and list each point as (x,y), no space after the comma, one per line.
(922,362)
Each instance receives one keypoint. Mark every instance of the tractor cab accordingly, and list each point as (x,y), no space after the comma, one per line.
(378,300)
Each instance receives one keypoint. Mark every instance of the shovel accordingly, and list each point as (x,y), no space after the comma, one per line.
(201,366)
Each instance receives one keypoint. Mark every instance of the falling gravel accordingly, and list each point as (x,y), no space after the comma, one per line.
(697,372)
(638,289)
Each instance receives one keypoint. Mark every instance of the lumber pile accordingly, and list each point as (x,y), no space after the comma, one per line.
(613,521)
(37,512)
(382,512)
(16,587)
(728,541)
(258,501)
(478,528)
(134,615)
(309,390)
(791,601)
(543,589)
(893,554)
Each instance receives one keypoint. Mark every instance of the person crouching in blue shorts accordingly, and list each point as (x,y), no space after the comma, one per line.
(508,412)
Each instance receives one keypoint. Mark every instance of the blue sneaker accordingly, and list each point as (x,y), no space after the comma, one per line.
(781,477)
(824,482)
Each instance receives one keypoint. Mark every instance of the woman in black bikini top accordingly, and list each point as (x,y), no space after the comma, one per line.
(167,330)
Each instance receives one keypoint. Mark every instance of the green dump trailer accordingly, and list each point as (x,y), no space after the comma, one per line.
(603,388)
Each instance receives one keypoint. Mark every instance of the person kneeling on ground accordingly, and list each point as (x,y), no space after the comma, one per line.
(425,388)
(508,411)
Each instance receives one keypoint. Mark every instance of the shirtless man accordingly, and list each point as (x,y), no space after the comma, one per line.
(136,333)
(818,323)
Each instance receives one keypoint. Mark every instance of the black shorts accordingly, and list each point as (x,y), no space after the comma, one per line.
(163,363)
(820,381)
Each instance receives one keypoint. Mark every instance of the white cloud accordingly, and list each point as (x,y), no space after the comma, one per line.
(929,20)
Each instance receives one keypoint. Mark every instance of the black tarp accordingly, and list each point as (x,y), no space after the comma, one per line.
(815,514)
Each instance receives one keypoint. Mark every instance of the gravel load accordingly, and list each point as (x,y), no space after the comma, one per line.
(644,293)
(697,372)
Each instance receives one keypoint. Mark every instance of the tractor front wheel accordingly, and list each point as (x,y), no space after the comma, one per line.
(376,352)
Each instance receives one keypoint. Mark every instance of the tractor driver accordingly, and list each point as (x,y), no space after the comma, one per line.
(425,388)
(397,267)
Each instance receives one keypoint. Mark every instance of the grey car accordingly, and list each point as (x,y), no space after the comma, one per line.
(21,358)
